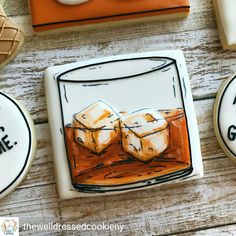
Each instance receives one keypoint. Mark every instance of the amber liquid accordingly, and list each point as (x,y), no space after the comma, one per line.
(116,167)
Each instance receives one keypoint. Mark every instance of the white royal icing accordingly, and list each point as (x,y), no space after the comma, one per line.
(72,2)
(227,9)
(17,143)
(126,83)
(225,122)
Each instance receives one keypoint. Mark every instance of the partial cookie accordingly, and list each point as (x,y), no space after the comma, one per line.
(101,146)
(17,143)
(225,16)
(61,15)
(11,39)
(225,117)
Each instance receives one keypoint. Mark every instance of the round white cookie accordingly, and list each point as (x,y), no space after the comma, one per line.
(17,143)
(72,2)
(225,117)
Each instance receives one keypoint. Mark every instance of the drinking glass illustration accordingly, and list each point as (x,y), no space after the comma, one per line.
(125,124)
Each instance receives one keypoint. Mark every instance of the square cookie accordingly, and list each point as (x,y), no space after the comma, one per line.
(225,17)
(122,123)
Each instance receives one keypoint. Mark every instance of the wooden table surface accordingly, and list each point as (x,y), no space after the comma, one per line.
(203,207)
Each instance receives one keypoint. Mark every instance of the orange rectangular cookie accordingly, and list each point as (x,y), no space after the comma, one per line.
(52,15)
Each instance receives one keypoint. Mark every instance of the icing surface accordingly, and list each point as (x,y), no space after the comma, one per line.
(226,117)
(116,121)
(51,14)
(227,10)
(72,2)
(16,144)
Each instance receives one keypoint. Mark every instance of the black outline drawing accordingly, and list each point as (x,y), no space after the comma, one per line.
(234,102)
(154,181)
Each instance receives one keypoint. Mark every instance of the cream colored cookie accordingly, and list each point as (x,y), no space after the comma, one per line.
(225,17)
(101,146)
(17,143)
(225,117)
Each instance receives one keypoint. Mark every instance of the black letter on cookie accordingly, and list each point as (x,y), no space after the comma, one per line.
(7,142)
(2,128)
(232,133)
(2,148)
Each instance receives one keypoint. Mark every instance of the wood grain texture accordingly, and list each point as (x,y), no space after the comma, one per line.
(203,207)
(188,200)
(227,230)
(207,66)
(196,36)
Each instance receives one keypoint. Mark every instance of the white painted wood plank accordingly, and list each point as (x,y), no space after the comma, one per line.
(36,204)
(207,64)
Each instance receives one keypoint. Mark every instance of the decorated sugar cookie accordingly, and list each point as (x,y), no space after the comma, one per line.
(76,14)
(11,39)
(122,123)
(225,117)
(225,16)
(17,143)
